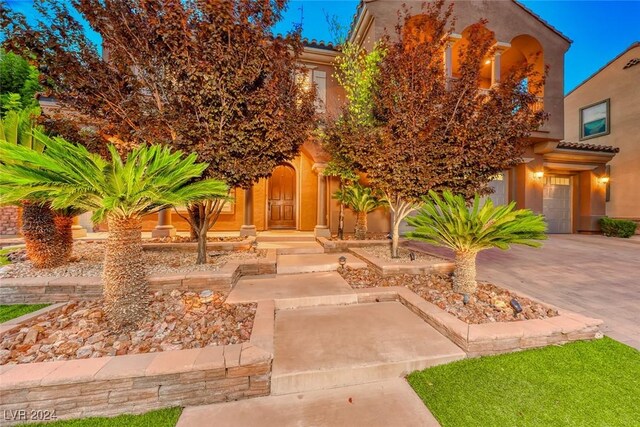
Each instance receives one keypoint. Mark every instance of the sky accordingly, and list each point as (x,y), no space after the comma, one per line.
(600,30)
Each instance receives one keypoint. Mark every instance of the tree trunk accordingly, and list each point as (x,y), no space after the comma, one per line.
(64,235)
(464,273)
(361,225)
(125,285)
(202,217)
(39,231)
(395,237)
(194,214)
(341,222)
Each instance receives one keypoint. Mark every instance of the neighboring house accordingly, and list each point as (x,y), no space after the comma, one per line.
(604,110)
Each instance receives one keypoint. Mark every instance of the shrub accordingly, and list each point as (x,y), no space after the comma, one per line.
(617,227)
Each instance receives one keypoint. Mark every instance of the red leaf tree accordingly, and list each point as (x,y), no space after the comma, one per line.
(434,134)
(205,77)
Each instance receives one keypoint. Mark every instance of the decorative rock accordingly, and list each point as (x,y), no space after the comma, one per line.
(84,352)
(31,337)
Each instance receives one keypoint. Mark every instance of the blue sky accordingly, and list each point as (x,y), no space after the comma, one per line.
(600,30)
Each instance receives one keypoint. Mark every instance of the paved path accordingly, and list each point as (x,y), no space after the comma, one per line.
(384,404)
(593,275)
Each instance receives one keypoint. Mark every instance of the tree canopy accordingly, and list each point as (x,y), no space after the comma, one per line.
(18,83)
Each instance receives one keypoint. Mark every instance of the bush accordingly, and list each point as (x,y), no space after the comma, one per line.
(617,227)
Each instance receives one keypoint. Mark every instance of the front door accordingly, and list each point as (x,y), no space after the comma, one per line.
(556,203)
(282,198)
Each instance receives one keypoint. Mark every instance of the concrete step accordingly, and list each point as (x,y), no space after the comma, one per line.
(285,238)
(294,290)
(288,248)
(321,348)
(382,404)
(309,263)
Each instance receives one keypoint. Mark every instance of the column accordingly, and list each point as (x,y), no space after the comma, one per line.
(164,228)
(321,229)
(248,227)
(76,229)
(448,57)
(495,63)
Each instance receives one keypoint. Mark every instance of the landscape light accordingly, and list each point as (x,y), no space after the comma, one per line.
(254,245)
(465,299)
(516,306)
(412,256)
(342,260)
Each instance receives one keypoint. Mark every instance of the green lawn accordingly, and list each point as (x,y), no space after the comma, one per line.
(591,383)
(8,312)
(3,256)
(161,418)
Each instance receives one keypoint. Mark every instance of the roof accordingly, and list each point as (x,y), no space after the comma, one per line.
(539,18)
(587,147)
(318,44)
(633,45)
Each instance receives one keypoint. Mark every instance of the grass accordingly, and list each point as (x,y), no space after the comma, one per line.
(8,312)
(589,383)
(3,256)
(160,418)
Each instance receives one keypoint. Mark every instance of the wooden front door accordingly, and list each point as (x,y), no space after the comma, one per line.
(282,198)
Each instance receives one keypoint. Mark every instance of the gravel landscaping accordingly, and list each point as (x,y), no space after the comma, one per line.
(369,236)
(489,304)
(384,253)
(187,239)
(177,320)
(87,259)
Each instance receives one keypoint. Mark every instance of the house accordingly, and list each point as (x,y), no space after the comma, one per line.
(562,180)
(604,111)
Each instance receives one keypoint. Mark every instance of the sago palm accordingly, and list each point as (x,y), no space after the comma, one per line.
(361,200)
(449,221)
(47,233)
(149,179)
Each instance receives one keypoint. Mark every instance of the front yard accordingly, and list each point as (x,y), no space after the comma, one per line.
(590,383)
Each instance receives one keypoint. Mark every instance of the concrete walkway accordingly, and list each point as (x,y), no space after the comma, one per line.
(593,275)
(384,404)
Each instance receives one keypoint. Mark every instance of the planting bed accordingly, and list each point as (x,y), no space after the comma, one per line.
(352,237)
(88,257)
(186,239)
(489,304)
(177,320)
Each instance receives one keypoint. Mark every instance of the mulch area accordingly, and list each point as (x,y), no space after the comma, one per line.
(177,320)
(489,304)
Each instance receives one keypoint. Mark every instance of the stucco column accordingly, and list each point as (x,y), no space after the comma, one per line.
(321,229)
(496,62)
(76,229)
(248,227)
(448,57)
(164,228)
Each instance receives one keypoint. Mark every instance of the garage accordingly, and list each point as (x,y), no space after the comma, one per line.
(556,203)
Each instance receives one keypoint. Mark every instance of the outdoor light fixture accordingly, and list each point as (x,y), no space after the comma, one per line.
(538,174)
(487,62)
(516,306)
(254,246)
(342,260)
(604,180)
(412,256)
(465,299)
(206,296)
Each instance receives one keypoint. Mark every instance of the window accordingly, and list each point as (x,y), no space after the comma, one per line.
(318,78)
(594,120)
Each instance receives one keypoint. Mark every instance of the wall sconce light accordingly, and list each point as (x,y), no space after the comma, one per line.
(538,174)
(604,180)
(487,62)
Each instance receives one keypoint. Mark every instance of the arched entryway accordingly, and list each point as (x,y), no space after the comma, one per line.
(282,198)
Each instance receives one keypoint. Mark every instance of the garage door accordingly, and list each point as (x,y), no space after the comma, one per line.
(556,203)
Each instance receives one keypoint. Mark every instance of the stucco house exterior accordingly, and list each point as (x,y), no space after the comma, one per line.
(562,180)
(604,110)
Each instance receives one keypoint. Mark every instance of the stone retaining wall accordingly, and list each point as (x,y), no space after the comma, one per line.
(8,220)
(107,386)
(491,338)
(36,290)
(336,246)
(390,268)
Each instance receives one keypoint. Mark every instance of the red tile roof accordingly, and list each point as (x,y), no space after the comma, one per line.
(587,147)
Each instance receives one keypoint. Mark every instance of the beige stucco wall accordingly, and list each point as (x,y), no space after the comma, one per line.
(507,20)
(622,88)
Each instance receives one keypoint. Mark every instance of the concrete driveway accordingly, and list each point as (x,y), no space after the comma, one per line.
(593,275)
